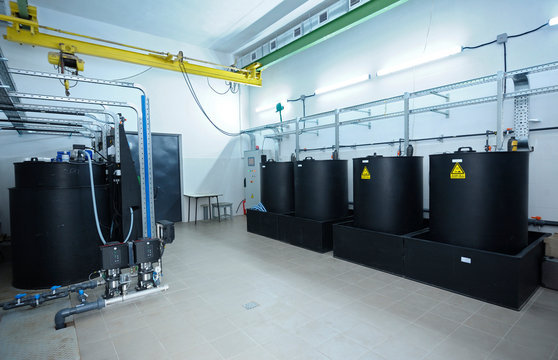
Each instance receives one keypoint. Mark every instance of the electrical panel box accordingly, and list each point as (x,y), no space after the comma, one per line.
(252,161)
(115,255)
(147,250)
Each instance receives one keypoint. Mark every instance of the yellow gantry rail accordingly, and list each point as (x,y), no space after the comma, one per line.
(27,32)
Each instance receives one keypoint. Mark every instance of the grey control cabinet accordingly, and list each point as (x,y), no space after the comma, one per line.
(252,161)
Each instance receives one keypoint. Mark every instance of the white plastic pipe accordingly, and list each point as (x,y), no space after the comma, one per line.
(131,224)
(93,198)
(136,295)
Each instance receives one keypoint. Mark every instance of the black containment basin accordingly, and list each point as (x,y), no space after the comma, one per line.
(480,200)
(262,223)
(310,234)
(388,193)
(374,249)
(501,279)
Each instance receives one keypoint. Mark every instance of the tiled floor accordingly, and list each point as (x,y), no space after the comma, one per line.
(311,306)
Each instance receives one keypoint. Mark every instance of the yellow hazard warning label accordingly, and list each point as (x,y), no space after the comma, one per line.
(457,172)
(365,175)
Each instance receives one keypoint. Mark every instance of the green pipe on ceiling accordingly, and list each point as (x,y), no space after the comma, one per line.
(346,21)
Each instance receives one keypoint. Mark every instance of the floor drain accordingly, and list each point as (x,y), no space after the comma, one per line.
(250,305)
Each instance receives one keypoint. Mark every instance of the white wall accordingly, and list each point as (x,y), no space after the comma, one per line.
(405,33)
(211,161)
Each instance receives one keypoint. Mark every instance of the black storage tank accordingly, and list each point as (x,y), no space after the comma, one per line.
(54,236)
(480,200)
(277,186)
(321,189)
(388,193)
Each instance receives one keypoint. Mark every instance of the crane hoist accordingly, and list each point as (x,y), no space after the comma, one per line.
(25,28)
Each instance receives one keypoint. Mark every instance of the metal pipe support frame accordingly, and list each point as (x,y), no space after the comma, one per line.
(499,98)
(144,136)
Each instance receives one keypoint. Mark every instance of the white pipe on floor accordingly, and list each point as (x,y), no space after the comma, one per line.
(136,295)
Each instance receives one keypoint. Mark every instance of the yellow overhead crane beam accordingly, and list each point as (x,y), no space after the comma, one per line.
(27,32)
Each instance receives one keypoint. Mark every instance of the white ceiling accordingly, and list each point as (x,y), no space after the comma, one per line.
(215,24)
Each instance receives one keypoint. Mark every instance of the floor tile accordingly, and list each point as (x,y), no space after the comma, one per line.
(542,341)
(451,312)
(203,351)
(141,343)
(366,335)
(233,344)
(474,341)
(464,302)
(437,323)
(421,337)
(399,349)
(99,350)
(342,348)
(488,325)
(541,319)
(316,332)
(499,313)
(285,346)
(216,328)
(371,355)
(507,350)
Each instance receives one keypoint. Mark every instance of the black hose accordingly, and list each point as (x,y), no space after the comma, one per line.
(61,315)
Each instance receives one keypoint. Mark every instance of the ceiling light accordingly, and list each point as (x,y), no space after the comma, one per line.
(419,61)
(553,21)
(343,84)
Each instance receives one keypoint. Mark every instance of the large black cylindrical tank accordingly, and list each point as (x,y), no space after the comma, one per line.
(388,193)
(480,200)
(321,189)
(277,186)
(54,236)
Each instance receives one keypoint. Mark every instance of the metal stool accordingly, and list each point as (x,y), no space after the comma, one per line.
(223,206)
(205,208)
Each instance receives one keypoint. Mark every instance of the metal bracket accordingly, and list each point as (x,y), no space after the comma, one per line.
(367,112)
(447,98)
(445,113)
(521,108)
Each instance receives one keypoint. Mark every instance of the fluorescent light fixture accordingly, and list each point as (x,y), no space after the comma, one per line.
(422,60)
(553,21)
(271,106)
(343,84)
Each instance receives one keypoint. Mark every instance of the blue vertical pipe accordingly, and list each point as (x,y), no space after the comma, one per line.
(146,165)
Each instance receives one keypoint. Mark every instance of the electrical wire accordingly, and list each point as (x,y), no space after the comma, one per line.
(233,87)
(478,46)
(220,93)
(193,92)
(97,152)
(528,32)
(131,76)
(509,37)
